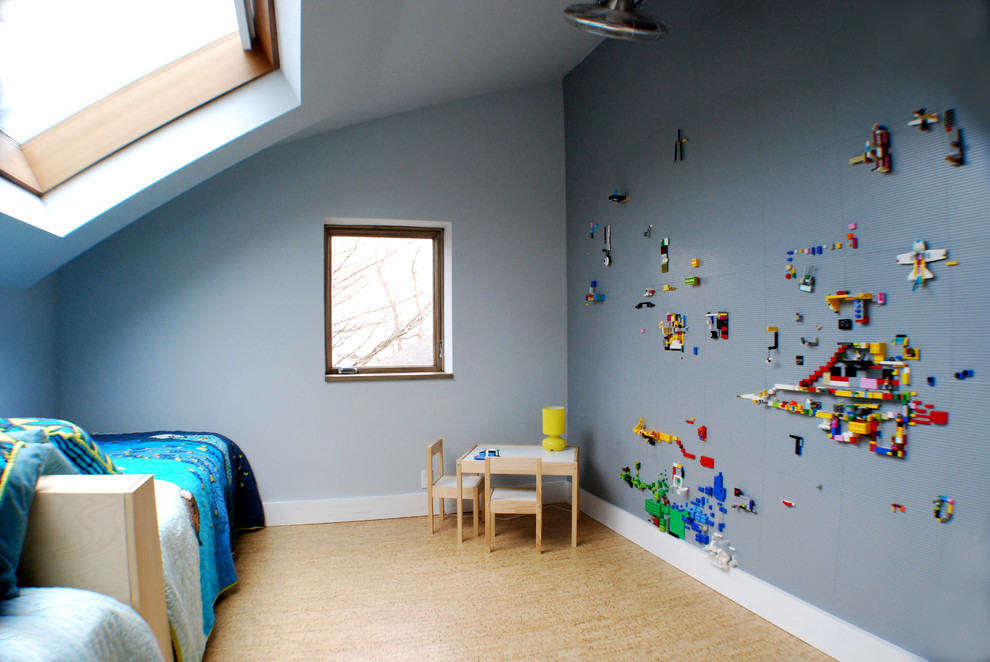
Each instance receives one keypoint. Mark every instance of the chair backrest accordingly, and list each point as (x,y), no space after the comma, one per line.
(436,448)
(517,466)
(513,466)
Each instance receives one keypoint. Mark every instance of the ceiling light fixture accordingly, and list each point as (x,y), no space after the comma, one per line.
(616,19)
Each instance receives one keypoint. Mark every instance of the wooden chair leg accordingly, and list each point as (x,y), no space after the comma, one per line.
(482,511)
(477,507)
(489,529)
(429,510)
(460,518)
(539,530)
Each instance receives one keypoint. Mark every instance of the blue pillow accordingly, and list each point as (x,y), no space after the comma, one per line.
(56,464)
(70,439)
(20,466)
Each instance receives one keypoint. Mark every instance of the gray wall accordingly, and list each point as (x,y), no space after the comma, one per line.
(208,313)
(28,381)
(775,98)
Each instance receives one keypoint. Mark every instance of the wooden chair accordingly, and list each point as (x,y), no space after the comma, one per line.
(442,486)
(513,500)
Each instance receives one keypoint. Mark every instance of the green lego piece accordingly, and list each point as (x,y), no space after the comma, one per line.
(659,487)
(677,523)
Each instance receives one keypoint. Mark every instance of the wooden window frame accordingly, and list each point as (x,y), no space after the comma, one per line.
(149,103)
(436,235)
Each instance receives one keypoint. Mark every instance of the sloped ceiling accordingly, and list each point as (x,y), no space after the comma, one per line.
(343,62)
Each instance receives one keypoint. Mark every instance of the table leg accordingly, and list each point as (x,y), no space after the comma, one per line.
(575,506)
(460,505)
(477,507)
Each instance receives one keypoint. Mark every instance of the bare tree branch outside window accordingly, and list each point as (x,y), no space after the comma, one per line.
(381,300)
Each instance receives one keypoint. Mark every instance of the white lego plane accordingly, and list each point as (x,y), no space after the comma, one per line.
(920,256)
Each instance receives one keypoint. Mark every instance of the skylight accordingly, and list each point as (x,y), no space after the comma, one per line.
(60,56)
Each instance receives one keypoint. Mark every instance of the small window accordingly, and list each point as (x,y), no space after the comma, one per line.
(384,301)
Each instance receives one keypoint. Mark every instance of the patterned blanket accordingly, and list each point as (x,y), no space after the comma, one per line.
(219,479)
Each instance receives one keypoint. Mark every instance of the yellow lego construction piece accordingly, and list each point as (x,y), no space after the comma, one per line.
(859,427)
(653,434)
(878,350)
(835,300)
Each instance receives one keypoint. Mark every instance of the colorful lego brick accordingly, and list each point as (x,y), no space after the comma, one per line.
(673,329)
(863,419)
(719,487)
(592,296)
(676,526)
(943,508)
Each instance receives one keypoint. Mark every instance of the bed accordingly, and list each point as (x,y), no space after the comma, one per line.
(152,526)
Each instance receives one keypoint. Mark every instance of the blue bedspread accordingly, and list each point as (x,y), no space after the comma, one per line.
(215,471)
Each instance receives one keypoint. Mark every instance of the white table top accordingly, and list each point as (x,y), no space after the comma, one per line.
(567,456)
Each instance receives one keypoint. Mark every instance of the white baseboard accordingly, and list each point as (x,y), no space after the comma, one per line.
(324,511)
(826,632)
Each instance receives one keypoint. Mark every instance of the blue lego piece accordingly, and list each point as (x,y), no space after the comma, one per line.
(720,492)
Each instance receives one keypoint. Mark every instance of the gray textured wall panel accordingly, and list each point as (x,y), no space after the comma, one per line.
(774,100)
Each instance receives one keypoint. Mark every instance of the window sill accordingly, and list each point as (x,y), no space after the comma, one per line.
(387,376)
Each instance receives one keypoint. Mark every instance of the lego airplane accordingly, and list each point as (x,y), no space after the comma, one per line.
(922,120)
(919,256)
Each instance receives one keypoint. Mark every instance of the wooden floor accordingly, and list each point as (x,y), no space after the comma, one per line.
(387,590)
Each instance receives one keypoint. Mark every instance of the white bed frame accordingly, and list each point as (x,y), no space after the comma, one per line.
(99,533)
